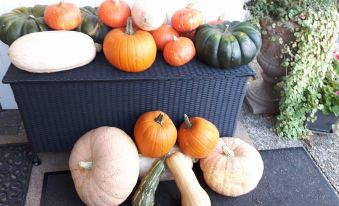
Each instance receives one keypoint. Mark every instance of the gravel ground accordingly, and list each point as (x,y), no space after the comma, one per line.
(324,149)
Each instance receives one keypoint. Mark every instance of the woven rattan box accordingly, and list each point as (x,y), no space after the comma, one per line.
(58,108)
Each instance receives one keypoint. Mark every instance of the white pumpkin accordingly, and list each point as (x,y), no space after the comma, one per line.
(147,162)
(104,164)
(52,51)
(234,168)
(148,14)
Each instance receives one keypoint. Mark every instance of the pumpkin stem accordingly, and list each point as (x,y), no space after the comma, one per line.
(129,26)
(227,151)
(160,119)
(61,2)
(86,165)
(175,38)
(226,29)
(221,17)
(31,16)
(187,122)
(190,5)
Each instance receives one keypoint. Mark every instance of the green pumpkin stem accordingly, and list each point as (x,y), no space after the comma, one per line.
(160,119)
(31,16)
(129,26)
(226,29)
(187,122)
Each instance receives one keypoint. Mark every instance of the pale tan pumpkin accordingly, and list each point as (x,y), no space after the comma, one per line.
(104,164)
(234,168)
(192,194)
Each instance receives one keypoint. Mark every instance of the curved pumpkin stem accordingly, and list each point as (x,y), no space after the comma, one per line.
(190,5)
(227,151)
(221,17)
(31,16)
(87,165)
(61,2)
(226,29)
(129,26)
(187,122)
(175,38)
(160,119)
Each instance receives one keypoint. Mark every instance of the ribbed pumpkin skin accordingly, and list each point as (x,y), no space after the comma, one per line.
(145,194)
(227,45)
(115,169)
(92,25)
(114,13)
(21,21)
(154,139)
(233,175)
(130,53)
(187,19)
(199,140)
(62,16)
(179,52)
(163,35)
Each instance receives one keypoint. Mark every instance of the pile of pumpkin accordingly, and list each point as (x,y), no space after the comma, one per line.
(130,37)
(105,162)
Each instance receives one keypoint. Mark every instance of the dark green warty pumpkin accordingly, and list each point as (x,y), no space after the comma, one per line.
(21,21)
(91,24)
(229,44)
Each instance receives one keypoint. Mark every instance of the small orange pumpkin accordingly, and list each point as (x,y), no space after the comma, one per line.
(62,16)
(114,13)
(179,51)
(197,137)
(154,134)
(218,21)
(187,19)
(163,35)
(130,50)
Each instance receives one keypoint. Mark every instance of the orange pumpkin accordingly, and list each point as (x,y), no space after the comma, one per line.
(187,19)
(154,134)
(114,13)
(197,137)
(218,21)
(179,51)
(163,35)
(62,16)
(130,50)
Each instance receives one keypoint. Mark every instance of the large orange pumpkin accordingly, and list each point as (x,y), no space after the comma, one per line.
(62,16)
(130,50)
(197,137)
(155,134)
(114,13)
(187,19)
(179,51)
(163,35)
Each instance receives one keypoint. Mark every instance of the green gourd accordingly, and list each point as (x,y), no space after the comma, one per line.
(227,44)
(21,21)
(92,25)
(145,194)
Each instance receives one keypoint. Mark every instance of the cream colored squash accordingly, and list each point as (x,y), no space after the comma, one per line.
(147,162)
(104,164)
(148,14)
(192,194)
(234,168)
(52,51)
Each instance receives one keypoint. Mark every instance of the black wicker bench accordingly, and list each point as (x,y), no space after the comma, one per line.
(58,108)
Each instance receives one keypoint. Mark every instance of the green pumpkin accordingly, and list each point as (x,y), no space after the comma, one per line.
(145,194)
(21,21)
(228,44)
(91,24)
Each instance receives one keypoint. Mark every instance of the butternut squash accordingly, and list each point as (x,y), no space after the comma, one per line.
(192,194)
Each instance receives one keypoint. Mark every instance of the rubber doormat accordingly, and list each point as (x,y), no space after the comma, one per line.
(290,178)
(15,172)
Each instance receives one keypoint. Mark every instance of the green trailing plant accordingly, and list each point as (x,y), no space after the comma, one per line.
(307,59)
(330,91)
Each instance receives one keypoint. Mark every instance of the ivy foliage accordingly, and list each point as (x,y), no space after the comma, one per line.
(308,59)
